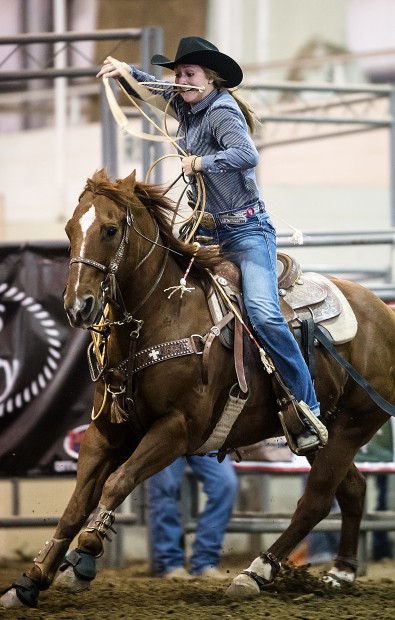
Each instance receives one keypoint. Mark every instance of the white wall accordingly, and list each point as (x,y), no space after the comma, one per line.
(35,207)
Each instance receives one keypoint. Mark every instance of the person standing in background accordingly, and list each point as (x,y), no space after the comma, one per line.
(166,531)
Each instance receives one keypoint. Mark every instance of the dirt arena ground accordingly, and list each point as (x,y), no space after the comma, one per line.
(132,593)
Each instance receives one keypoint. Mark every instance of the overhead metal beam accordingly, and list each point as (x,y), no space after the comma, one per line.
(69,36)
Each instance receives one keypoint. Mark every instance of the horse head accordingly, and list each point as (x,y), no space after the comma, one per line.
(98,233)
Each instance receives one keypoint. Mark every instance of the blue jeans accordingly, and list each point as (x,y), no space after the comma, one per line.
(164,488)
(252,247)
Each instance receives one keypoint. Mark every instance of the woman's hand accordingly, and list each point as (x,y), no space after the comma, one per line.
(191,165)
(109,69)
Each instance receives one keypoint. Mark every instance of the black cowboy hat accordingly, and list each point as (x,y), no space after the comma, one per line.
(197,51)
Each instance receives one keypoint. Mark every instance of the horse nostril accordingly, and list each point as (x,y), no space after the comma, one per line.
(87,307)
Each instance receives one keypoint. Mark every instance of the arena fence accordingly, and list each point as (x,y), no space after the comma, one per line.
(267,522)
(250,522)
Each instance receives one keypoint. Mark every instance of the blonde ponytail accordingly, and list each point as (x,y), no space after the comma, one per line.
(249,114)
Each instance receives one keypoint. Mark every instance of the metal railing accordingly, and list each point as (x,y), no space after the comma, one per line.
(305,113)
(382,278)
(151,41)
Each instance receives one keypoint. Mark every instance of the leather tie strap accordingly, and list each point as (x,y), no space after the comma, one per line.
(239,357)
(348,561)
(384,405)
(261,581)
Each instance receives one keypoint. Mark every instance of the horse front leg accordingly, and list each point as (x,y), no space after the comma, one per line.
(96,461)
(165,442)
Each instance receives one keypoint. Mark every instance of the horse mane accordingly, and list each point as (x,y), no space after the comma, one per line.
(162,209)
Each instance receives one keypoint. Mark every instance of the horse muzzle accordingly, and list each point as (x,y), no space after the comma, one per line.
(83,313)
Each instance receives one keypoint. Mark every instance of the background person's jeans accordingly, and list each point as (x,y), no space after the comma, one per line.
(220,485)
(252,246)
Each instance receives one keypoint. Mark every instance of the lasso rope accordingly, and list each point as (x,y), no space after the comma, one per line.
(97,340)
(158,102)
(297,237)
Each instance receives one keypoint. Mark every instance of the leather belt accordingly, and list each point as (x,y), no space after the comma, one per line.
(237,217)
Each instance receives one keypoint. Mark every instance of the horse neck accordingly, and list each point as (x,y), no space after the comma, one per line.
(148,270)
(159,272)
(164,319)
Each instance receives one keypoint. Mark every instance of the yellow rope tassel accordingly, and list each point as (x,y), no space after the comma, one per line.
(98,340)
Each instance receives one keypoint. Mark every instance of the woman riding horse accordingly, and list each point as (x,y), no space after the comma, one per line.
(214,126)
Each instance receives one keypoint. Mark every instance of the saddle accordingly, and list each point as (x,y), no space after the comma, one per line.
(303,296)
(312,296)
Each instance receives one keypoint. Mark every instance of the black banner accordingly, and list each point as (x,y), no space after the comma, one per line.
(45,388)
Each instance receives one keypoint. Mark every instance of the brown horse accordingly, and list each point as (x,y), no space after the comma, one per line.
(124,255)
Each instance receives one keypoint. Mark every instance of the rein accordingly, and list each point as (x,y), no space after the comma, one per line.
(90,262)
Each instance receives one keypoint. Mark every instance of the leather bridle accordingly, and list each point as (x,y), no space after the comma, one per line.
(111,292)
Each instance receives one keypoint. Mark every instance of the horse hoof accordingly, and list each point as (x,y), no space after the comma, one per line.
(338,578)
(67,580)
(242,586)
(10,599)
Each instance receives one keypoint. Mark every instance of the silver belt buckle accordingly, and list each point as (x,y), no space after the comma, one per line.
(235,218)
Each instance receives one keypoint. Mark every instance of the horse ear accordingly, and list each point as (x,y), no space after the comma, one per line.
(100,176)
(128,183)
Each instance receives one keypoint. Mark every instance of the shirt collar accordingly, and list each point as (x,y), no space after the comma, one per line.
(204,103)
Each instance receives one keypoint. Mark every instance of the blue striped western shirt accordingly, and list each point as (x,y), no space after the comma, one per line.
(215,129)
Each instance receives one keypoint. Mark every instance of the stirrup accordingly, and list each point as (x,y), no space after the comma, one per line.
(313,422)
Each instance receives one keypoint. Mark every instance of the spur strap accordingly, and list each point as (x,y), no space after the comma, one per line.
(261,581)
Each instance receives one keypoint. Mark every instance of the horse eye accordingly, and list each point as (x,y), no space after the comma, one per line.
(111,232)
